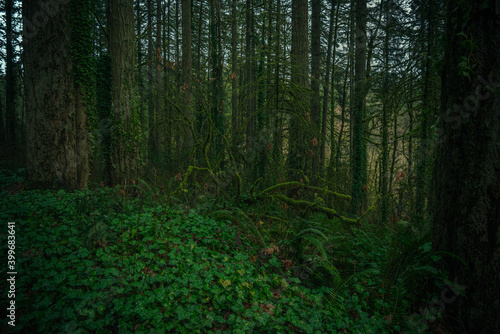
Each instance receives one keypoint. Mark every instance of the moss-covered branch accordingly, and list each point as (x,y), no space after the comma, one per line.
(296,184)
(313,206)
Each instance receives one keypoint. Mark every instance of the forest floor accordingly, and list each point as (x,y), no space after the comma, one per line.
(102,261)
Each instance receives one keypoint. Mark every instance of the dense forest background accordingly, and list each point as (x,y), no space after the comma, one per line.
(347,123)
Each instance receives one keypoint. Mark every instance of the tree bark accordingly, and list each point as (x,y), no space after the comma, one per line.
(315,75)
(186,88)
(234,76)
(126,134)
(50,102)
(467,167)
(359,146)
(299,77)
(10,81)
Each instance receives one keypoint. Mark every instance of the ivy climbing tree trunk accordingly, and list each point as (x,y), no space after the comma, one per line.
(467,167)
(50,102)
(82,54)
(126,126)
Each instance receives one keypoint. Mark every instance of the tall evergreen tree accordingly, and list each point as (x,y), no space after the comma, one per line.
(300,81)
(50,103)
(359,182)
(467,168)
(126,126)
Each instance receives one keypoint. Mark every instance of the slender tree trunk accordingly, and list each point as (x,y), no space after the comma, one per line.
(315,72)
(10,81)
(250,81)
(384,210)
(234,75)
(140,79)
(159,91)
(300,69)
(278,129)
(426,115)
(359,145)
(217,108)
(466,210)
(153,152)
(343,106)
(326,91)
(186,88)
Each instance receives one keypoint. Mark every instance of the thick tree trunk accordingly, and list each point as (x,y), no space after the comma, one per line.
(126,134)
(50,103)
(467,168)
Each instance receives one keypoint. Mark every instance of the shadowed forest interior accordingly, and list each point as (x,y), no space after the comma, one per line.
(241,166)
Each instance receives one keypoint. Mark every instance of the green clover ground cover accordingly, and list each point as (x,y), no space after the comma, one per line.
(91,263)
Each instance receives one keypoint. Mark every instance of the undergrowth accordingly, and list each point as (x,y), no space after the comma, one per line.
(102,261)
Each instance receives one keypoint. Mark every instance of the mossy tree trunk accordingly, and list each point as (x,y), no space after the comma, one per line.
(82,54)
(126,125)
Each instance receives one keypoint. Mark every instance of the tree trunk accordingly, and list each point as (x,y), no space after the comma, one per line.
(359,146)
(326,93)
(10,83)
(467,168)
(126,134)
(186,88)
(159,91)
(153,151)
(315,75)
(50,103)
(300,69)
(422,173)
(278,125)
(82,54)
(250,95)
(234,76)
